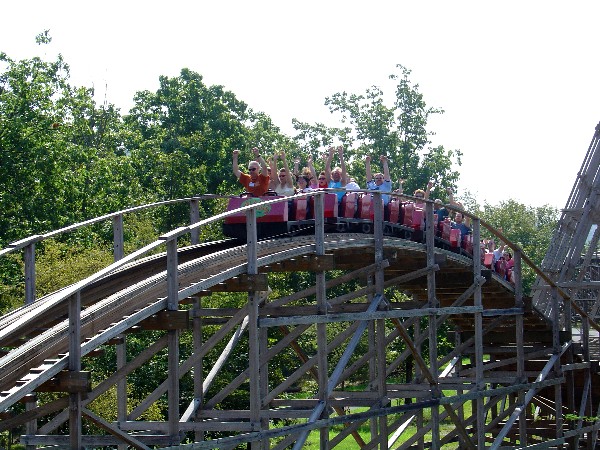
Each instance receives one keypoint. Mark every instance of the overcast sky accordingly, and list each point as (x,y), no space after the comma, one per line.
(518,79)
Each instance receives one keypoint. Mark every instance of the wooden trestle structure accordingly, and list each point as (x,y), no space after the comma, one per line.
(520,373)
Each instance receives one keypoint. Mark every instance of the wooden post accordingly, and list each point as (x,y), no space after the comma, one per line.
(173,341)
(198,365)
(478,334)
(118,242)
(31,426)
(557,366)
(121,347)
(373,360)
(380,324)
(520,330)
(322,349)
(418,377)
(29,259)
(195,218)
(253,331)
(432,326)
(75,439)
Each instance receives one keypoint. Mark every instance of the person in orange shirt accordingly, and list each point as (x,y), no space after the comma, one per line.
(257,181)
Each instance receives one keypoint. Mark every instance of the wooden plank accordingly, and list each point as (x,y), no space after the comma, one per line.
(306,263)
(68,381)
(243,283)
(167,320)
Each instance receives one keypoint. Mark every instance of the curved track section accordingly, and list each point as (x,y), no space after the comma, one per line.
(364,332)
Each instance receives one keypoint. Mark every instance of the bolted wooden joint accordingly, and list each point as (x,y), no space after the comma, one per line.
(243,283)
(167,320)
(70,381)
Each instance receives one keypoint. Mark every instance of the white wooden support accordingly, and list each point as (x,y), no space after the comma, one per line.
(118,242)
(195,218)
(253,331)
(75,429)
(478,333)
(29,258)
(520,341)
(432,326)
(372,339)
(173,340)
(557,365)
(378,236)
(198,364)
(31,426)
(321,295)
(319,215)
(121,347)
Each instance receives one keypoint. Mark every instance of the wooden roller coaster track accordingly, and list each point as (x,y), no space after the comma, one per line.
(516,376)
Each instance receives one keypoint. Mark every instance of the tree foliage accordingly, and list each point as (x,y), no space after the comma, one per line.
(531,228)
(398,129)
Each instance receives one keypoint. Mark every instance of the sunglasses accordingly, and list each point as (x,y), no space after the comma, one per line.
(251,169)
(322,179)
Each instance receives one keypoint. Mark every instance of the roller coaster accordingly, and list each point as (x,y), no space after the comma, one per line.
(522,371)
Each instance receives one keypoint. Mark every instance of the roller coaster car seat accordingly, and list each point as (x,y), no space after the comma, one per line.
(455,238)
(365,207)
(330,205)
(275,212)
(348,205)
(414,216)
(488,259)
(467,243)
(395,211)
(299,209)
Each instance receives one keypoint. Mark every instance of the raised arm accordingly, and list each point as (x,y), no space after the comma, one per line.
(273,164)
(450,196)
(328,164)
(296,171)
(261,161)
(386,169)
(400,189)
(288,176)
(428,190)
(340,150)
(236,168)
(311,167)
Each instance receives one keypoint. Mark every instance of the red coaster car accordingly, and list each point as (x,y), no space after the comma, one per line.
(271,219)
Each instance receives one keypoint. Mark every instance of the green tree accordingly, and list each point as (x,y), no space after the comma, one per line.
(529,227)
(185,118)
(52,139)
(372,127)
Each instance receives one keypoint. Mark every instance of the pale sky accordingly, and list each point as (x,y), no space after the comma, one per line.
(518,79)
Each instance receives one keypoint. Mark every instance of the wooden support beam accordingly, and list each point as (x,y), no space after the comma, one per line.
(243,283)
(68,381)
(167,320)
(307,263)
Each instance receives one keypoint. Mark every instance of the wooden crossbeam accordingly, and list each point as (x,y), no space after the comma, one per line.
(167,320)
(243,283)
(68,381)
(307,263)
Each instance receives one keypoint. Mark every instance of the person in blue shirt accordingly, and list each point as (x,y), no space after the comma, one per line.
(336,178)
(381,181)
(462,223)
